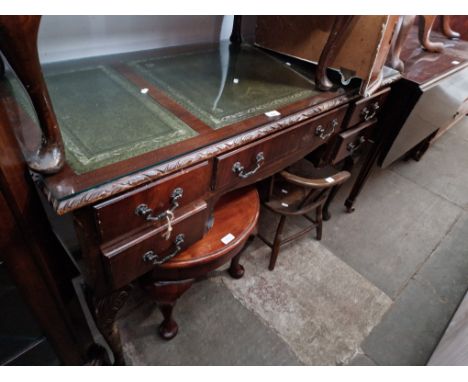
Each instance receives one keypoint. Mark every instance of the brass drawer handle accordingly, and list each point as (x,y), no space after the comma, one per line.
(147,213)
(153,258)
(238,169)
(370,113)
(323,133)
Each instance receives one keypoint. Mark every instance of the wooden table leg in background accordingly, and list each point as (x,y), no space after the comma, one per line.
(330,51)
(425,27)
(236,35)
(18,43)
(447,29)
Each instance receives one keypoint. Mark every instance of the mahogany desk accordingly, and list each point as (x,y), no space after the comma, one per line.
(173,129)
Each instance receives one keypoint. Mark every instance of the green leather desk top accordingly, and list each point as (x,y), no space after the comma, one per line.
(105,118)
(226,84)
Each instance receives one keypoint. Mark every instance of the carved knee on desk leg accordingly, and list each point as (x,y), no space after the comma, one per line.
(105,312)
(166,294)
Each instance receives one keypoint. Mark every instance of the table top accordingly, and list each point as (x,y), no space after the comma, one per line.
(127,119)
(425,68)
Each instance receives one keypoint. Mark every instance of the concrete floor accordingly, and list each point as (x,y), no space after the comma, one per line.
(379,289)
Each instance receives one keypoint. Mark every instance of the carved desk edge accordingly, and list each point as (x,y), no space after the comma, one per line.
(129,182)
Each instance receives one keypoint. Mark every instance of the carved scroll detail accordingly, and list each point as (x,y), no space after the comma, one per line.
(105,311)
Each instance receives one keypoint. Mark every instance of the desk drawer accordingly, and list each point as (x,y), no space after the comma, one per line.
(253,161)
(132,258)
(119,215)
(368,109)
(351,140)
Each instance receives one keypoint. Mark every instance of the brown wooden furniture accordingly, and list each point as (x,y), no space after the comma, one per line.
(294,192)
(355,46)
(425,24)
(429,98)
(235,218)
(33,256)
(130,213)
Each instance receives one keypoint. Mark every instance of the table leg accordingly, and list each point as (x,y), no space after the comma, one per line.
(166,294)
(236,35)
(447,29)
(236,270)
(362,177)
(402,33)
(330,50)
(105,312)
(2,67)
(348,166)
(425,28)
(418,152)
(18,43)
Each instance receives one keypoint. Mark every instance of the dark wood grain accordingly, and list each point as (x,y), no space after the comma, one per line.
(18,42)
(352,140)
(401,34)
(124,261)
(336,38)
(32,254)
(367,108)
(422,67)
(236,214)
(275,148)
(117,216)
(57,187)
(447,28)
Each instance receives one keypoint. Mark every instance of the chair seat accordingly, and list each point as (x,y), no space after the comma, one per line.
(306,169)
(297,191)
(286,197)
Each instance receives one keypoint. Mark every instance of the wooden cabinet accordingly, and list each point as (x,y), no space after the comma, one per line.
(368,109)
(145,207)
(265,157)
(132,257)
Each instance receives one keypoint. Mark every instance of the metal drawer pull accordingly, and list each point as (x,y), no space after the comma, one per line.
(146,212)
(353,146)
(238,169)
(367,114)
(321,132)
(152,257)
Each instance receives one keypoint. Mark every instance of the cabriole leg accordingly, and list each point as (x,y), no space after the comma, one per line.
(166,294)
(18,43)
(105,312)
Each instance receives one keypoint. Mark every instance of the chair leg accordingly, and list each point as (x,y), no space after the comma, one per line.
(276,243)
(319,219)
